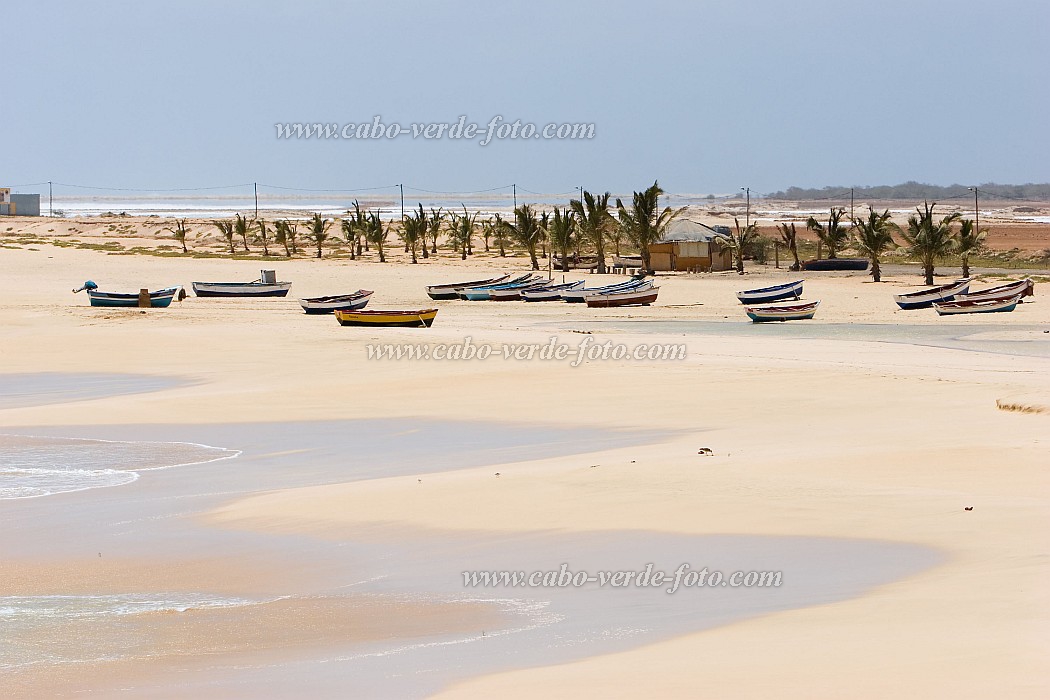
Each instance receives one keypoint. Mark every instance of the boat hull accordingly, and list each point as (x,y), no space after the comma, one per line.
(550,293)
(346,302)
(836,264)
(643,297)
(247,289)
(950,308)
(1021,289)
(387,319)
(780,292)
(441,292)
(160,299)
(796,312)
(925,299)
(580,296)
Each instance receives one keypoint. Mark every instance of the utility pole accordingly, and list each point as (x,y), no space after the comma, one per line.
(256,199)
(747,219)
(851,204)
(50,200)
(403,201)
(976,210)
(514,188)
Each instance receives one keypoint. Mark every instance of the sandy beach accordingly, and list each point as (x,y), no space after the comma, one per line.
(894,462)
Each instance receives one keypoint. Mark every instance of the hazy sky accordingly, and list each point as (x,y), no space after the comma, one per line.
(704,96)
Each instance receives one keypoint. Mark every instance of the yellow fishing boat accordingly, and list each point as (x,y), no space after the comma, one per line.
(402,319)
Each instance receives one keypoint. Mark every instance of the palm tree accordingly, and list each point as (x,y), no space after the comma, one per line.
(928,239)
(833,235)
(241,226)
(594,222)
(644,223)
(969,242)
(435,222)
(789,236)
(358,228)
(526,230)
(319,232)
(280,235)
(562,232)
(179,233)
(262,235)
(413,229)
(376,233)
(486,232)
(873,237)
(463,231)
(499,232)
(738,242)
(226,229)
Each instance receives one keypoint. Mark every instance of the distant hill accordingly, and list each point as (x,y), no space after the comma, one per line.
(919,190)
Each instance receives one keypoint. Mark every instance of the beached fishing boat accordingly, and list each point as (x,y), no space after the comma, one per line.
(946,308)
(924,298)
(483,293)
(788,290)
(836,264)
(514,293)
(551,293)
(792,312)
(339,302)
(160,299)
(439,292)
(1021,288)
(377,319)
(266,286)
(638,296)
(579,295)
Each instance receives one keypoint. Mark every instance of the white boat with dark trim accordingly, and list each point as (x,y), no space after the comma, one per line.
(987,306)
(780,312)
(643,295)
(788,290)
(552,293)
(924,298)
(338,302)
(266,286)
(1021,288)
(580,294)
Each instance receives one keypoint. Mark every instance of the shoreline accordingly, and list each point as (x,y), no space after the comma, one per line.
(811,438)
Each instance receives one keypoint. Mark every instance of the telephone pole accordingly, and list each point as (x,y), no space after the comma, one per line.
(50,200)
(976,210)
(514,189)
(747,193)
(256,199)
(403,201)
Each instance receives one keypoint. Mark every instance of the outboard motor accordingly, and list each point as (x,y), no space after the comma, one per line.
(87,285)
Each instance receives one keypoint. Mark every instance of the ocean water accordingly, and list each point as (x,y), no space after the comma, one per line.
(388,200)
(541,625)
(42,466)
(48,629)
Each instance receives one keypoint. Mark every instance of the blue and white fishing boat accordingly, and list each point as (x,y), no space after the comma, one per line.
(551,293)
(580,294)
(482,293)
(788,290)
(159,299)
(925,298)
